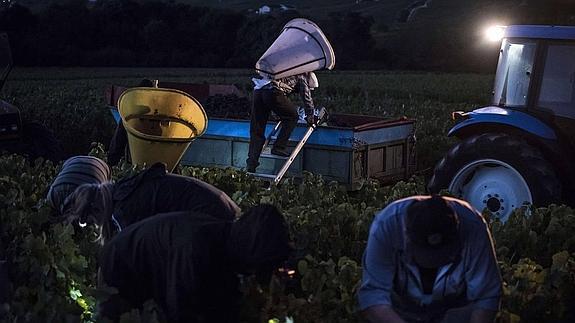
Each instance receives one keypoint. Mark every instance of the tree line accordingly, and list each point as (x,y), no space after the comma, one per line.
(167,34)
(132,33)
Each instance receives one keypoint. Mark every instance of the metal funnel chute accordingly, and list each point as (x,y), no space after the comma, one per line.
(301,47)
(161,124)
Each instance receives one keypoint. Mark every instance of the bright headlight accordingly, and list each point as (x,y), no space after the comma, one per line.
(495,33)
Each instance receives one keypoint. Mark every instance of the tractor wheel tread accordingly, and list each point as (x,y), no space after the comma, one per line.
(527,160)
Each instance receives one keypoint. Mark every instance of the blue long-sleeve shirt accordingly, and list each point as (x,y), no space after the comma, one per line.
(391,278)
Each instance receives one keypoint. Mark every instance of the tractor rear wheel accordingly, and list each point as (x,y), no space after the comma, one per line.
(498,172)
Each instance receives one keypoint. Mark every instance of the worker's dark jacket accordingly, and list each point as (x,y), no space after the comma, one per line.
(296,83)
(155,191)
(179,260)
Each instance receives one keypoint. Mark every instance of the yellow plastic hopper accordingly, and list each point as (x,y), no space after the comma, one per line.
(161,124)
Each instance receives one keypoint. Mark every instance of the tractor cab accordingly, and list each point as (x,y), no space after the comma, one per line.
(519,150)
(536,70)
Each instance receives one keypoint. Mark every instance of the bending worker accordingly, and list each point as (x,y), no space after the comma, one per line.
(76,171)
(114,206)
(429,259)
(272,95)
(188,263)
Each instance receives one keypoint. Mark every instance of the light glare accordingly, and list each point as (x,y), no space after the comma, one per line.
(495,33)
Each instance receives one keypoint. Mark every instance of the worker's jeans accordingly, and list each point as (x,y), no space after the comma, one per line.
(265,101)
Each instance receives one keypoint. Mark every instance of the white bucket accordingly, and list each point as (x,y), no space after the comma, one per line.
(301,47)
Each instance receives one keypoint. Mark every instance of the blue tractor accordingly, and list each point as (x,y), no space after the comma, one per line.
(521,149)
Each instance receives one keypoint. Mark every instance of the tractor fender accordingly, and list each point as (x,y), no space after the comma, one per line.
(505,117)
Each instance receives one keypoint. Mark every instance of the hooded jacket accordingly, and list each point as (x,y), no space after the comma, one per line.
(155,191)
(177,259)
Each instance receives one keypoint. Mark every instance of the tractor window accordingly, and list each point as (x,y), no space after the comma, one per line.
(514,73)
(558,85)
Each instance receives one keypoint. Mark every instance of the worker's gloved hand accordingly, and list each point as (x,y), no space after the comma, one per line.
(311,119)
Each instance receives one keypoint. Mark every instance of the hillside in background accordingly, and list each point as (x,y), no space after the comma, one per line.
(389,12)
(398,34)
(429,34)
(395,12)
(384,11)
(449,34)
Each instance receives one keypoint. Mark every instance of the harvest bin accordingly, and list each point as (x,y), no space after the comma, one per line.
(160,123)
(352,149)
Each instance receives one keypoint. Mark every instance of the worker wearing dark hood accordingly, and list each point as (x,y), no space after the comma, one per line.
(76,171)
(113,207)
(188,263)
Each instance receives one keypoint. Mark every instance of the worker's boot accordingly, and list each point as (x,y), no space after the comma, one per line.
(280,152)
(251,166)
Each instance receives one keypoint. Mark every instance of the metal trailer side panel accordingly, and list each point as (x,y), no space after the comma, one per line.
(390,161)
(387,162)
(383,151)
(332,164)
(358,168)
(382,135)
(224,151)
(215,151)
(267,165)
(328,136)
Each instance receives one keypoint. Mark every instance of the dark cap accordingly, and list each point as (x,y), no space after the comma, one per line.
(259,240)
(432,229)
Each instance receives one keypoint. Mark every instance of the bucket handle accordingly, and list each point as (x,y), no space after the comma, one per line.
(164,118)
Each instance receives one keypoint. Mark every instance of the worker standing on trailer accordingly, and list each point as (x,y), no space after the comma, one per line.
(188,263)
(272,95)
(429,259)
(287,66)
(114,206)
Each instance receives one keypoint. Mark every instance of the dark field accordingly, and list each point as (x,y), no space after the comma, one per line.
(71,102)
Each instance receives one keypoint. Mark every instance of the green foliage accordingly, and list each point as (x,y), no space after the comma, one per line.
(53,265)
(539,294)
(325,292)
(538,236)
(71,101)
(49,264)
